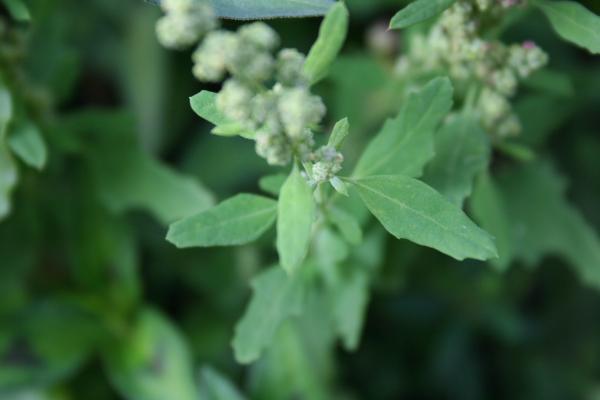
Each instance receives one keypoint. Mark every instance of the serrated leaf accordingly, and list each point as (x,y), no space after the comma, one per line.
(18,10)
(409,209)
(573,22)
(543,222)
(332,36)
(215,386)
(27,142)
(152,363)
(261,9)
(295,217)
(462,151)
(489,210)
(204,104)
(238,220)
(276,297)
(272,184)
(339,133)
(405,144)
(419,11)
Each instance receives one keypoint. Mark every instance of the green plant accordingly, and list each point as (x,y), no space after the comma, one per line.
(459,144)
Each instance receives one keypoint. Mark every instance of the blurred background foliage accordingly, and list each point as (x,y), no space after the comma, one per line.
(83,251)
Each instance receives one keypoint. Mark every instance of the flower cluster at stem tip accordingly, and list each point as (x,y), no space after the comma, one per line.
(456,43)
(265,92)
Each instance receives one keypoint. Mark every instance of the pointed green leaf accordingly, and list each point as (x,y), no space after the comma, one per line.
(276,297)
(405,144)
(489,210)
(239,220)
(26,142)
(295,217)
(419,11)
(573,22)
(259,9)
(18,10)
(339,133)
(462,151)
(332,36)
(215,386)
(409,209)
(152,363)
(204,104)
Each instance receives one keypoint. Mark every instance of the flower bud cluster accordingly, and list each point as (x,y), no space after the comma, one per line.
(184,22)
(457,44)
(265,91)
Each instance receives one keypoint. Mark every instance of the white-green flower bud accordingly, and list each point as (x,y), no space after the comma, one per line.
(234,101)
(505,82)
(299,109)
(260,35)
(328,164)
(526,58)
(510,126)
(290,68)
(185,22)
(493,106)
(211,57)
(273,147)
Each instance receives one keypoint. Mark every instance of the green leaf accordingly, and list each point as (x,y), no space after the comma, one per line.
(409,209)
(259,9)
(18,10)
(573,22)
(346,224)
(351,297)
(272,184)
(215,386)
(277,296)
(543,222)
(295,217)
(26,142)
(419,11)
(339,133)
(204,104)
(8,169)
(405,144)
(332,35)
(152,363)
(462,151)
(489,210)
(238,220)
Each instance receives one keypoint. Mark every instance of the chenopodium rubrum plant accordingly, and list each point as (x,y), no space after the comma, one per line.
(267,99)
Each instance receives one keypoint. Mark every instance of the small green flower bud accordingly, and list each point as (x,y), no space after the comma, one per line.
(185,23)
(299,109)
(290,68)
(273,147)
(211,57)
(260,35)
(328,164)
(234,101)
(505,82)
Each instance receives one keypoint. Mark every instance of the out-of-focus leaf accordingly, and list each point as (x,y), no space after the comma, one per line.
(215,386)
(551,82)
(409,209)
(8,170)
(329,43)
(405,144)
(204,104)
(273,183)
(543,222)
(346,224)
(27,143)
(152,363)
(462,151)
(295,217)
(538,127)
(419,11)
(276,297)
(489,210)
(18,10)
(573,22)
(239,220)
(259,9)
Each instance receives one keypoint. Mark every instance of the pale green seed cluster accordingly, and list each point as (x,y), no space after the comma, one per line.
(185,22)
(456,43)
(268,95)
